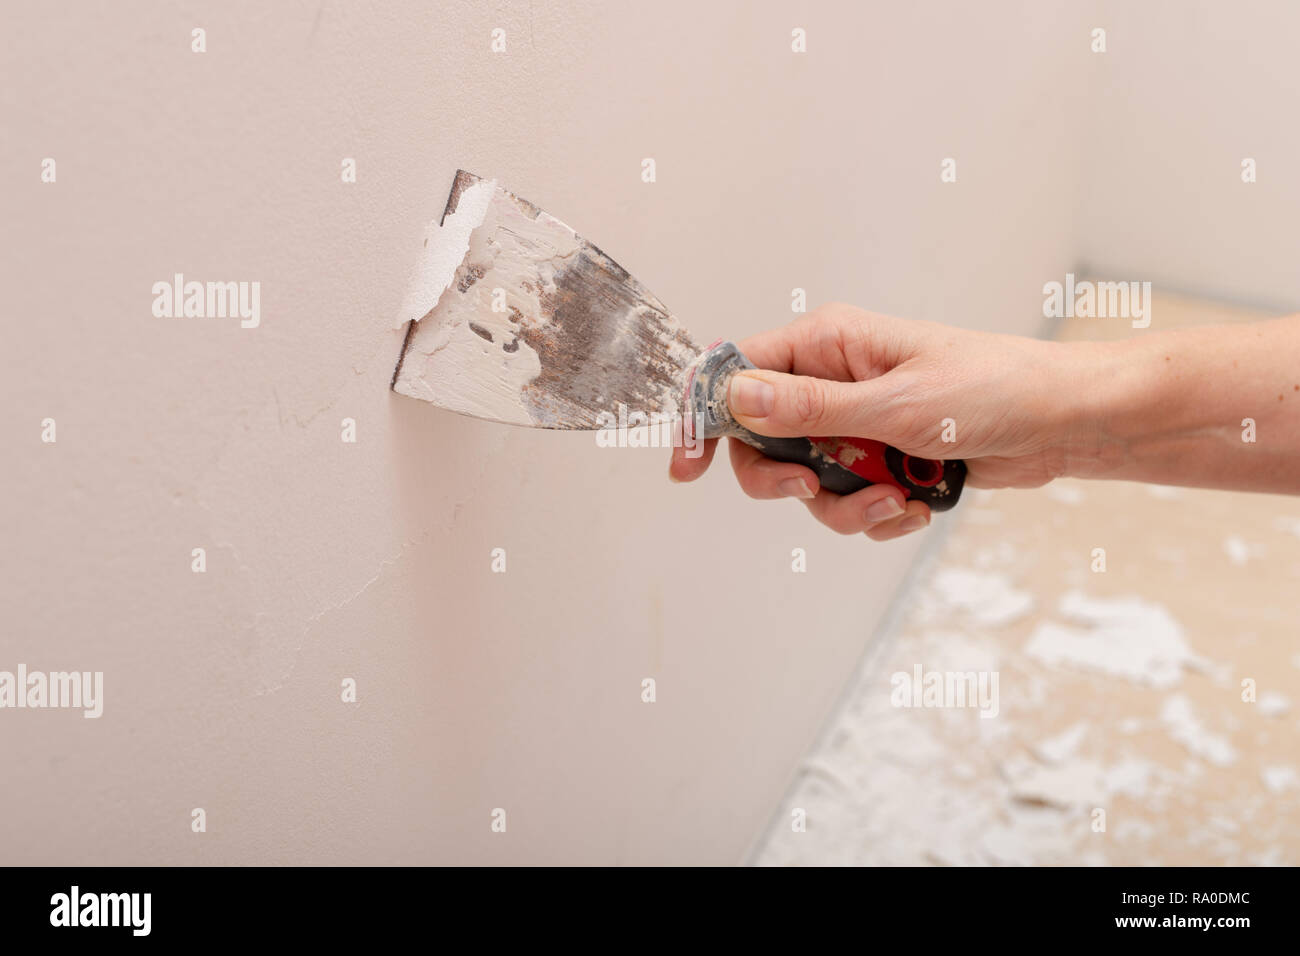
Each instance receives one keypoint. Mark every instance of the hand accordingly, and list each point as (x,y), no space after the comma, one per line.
(843,371)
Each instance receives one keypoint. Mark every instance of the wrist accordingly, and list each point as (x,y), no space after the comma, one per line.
(1114,394)
(1147,410)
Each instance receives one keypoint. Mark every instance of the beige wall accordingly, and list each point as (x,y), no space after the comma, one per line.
(1185,92)
(328,560)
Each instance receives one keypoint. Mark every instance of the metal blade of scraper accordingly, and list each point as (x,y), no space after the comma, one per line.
(515,318)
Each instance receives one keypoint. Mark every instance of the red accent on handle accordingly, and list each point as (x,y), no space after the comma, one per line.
(923,472)
(866,459)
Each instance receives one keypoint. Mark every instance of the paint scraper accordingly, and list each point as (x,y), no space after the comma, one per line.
(514,318)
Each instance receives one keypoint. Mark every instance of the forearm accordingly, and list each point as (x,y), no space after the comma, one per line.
(1212,407)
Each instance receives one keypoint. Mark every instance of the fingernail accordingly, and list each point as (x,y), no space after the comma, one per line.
(795,488)
(914,523)
(883,510)
(751,396)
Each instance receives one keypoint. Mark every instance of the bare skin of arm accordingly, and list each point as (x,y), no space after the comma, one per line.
(1164,407)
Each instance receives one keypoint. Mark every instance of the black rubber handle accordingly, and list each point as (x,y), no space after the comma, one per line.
(843,465)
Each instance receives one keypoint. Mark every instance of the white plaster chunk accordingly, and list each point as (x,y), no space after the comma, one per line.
(1273,704)
(1080,783)
(1184,727)
(1279,779)
(987,598)
(1124,637)
(1061,747)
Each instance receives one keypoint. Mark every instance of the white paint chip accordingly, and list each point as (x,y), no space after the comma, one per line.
(987,598)
(1237,550)
(1273,704)
(1124,637)
(1129,777)
(1080,783)
(1279,779)
(445,247)
(1061,747)
(1287,524)
(1186,728)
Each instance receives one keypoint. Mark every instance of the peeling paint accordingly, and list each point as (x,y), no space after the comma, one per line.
(443,251)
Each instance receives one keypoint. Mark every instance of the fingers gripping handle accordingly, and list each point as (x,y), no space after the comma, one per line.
(843,465)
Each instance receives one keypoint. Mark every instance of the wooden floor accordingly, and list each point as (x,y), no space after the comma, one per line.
(1121,735)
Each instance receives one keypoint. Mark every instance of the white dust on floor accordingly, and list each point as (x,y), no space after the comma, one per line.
(1121,735)
(1123,637)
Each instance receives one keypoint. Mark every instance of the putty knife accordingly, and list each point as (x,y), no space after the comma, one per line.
(515,318)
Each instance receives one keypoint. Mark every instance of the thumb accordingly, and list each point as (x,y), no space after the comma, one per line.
(788,406)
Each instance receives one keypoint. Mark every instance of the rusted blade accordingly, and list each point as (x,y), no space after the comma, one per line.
(535,325)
